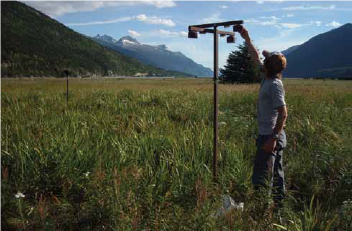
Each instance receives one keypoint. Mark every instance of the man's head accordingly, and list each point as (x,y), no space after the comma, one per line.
(274,64)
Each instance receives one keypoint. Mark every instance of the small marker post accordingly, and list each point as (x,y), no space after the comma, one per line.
(66,72)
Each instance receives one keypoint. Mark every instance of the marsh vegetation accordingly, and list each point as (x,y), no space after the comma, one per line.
(137,154)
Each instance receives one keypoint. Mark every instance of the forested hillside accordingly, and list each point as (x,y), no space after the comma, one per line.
(33,44)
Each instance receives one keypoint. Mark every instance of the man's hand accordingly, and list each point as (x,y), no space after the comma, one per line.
(270,145)
(252,50)
(244,34)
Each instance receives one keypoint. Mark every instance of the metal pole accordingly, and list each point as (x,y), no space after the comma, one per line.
(215,148)
(193,33)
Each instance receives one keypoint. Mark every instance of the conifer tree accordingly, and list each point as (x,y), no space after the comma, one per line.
(239,67)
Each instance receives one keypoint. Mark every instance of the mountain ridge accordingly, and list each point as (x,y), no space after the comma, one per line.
(290,50)
(327,55)
(159,55)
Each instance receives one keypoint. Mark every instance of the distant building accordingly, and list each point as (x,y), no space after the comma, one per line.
(141,74)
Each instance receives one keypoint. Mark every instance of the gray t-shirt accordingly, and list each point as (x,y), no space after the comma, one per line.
(271,96)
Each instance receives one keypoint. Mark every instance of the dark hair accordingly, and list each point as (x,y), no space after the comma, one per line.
(274,65)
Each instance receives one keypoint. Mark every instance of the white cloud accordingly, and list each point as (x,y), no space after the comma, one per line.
(290,25)
(155,20)
(274,22)
(289,15)
(59,8)
(296,8)
(261,2)
(134,33)
(172,33)
(142,18)
(223,7)
(271,17)
(317,23)
(117,20)
(234,1)
(213,18)
(160,34)
(334,24)
(261,22)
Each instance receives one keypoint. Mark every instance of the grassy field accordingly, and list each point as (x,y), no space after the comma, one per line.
(128,154)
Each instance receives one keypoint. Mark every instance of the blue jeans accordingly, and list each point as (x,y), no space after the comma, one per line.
(268,167)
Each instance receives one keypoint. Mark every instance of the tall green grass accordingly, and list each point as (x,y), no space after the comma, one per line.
(135,155)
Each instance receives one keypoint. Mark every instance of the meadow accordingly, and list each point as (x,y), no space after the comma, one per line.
(136,154)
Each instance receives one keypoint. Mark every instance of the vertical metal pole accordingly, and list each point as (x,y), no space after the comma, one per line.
(215,150)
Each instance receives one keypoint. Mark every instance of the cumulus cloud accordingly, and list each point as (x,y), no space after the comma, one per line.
(334,24)
(142,18)
(155,20)
(59,8)
(133,33)
(289,15)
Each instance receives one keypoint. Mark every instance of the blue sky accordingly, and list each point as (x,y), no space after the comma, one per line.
(273,25)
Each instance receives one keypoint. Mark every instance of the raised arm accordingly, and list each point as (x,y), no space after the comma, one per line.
(252,50)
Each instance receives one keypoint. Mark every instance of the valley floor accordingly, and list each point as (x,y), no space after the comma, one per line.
(136,154)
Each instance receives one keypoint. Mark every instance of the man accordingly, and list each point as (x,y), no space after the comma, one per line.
(272,114)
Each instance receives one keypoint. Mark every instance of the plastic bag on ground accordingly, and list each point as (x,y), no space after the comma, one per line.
(228,204)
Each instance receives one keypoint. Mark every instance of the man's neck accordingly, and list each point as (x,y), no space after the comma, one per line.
(272,77)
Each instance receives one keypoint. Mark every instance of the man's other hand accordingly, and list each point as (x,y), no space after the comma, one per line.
(270,145)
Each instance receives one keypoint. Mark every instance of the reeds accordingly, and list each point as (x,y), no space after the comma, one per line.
(133,155)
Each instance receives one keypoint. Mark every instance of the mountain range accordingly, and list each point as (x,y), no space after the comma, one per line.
(33,44)
(327,55)
(159,56)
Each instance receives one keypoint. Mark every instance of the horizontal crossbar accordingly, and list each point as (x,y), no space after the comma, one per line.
(220,32)
(228,23)
(197,29)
